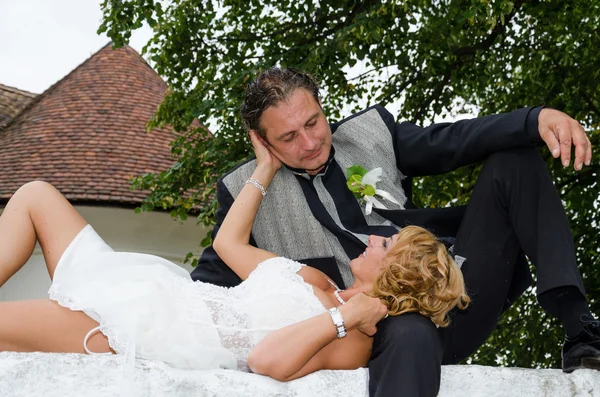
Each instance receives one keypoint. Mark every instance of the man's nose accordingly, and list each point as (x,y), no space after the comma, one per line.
(308,142)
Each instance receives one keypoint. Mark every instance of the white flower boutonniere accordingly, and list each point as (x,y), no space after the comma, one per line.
(363,184)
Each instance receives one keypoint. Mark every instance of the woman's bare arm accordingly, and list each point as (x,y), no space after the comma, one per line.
(311,345)
(232,240)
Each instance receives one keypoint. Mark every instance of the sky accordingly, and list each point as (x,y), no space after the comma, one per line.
(41,41)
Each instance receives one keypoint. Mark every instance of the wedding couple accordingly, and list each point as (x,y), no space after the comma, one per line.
(378,289)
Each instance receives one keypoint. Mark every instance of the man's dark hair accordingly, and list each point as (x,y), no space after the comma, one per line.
(270,88)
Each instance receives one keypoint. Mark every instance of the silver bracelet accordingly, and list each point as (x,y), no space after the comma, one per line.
(258,185)
(338,321)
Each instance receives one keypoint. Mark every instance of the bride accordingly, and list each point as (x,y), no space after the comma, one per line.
(286,320)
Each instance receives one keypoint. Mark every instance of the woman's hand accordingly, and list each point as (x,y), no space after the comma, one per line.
(264,157)
(363,313)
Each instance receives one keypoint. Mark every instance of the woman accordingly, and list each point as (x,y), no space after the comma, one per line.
(285,320)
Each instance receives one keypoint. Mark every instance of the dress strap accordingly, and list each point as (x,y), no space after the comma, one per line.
(336,293)
(87,337)
(332,283)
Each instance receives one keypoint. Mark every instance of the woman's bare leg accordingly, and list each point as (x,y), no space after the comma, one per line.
(44,325)
(37,211)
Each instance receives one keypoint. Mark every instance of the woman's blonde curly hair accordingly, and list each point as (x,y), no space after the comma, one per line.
(420,276)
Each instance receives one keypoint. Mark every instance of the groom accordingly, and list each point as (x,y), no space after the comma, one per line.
(311,216)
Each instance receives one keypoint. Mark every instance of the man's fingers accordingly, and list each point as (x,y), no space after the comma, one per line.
(587,157)
(564,136)
(582,145)
(559,132)
(588,153)
(551,141)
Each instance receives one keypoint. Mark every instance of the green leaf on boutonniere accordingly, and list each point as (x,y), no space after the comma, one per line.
(369,190)
(356,179)
(355,184)
(355,170)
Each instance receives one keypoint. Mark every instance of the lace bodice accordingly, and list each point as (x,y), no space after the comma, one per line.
(272,297)
(152,310)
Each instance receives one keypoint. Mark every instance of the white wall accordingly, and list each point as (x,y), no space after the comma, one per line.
(151,233)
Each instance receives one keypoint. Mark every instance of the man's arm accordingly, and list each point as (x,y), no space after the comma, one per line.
(211,268)
(443,147)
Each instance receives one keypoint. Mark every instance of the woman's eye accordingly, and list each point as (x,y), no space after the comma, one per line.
(384,243)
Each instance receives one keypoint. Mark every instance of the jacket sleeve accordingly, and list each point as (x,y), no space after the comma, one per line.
(211,269)
(443,147)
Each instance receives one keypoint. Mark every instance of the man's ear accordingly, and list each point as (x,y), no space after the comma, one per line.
(261,139)
(264,141)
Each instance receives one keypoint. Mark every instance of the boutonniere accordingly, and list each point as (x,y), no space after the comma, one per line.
(363,184)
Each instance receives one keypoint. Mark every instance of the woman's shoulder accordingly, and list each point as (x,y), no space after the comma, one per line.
(316,278)
(278,264)
(310,275)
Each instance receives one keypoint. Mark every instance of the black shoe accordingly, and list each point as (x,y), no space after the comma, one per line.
(582,351)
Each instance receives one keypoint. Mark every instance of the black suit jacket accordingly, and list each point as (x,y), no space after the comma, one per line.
(418,151)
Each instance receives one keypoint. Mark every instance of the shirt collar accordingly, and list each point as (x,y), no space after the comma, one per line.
(305,175)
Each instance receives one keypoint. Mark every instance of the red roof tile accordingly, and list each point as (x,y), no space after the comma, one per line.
(12,102)
(87,133)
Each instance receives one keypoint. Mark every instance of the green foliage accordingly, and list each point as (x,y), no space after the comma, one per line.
(356,170)
(436,57)
(355,175)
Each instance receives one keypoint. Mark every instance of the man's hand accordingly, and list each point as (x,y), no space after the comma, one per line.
(560,131)
(363,313)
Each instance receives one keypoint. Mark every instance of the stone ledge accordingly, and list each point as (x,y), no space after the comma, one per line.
(48,374)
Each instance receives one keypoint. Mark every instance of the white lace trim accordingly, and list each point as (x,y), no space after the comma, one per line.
(184,323)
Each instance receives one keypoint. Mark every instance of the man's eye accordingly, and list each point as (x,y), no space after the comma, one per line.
(312,124)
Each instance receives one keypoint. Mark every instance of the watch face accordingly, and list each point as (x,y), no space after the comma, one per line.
(336,316)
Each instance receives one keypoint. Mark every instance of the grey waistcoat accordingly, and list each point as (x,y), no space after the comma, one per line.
(284,223)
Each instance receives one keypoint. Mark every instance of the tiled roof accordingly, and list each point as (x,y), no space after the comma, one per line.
(12,102)
(87,133)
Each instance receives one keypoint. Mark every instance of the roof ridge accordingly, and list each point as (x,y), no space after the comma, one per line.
(47,92)
(18,91)
(50,89)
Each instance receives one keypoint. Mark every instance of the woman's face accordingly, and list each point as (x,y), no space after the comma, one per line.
(367,267)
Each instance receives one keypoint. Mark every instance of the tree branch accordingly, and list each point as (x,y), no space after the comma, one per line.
(590,103)
(433,97)
(360,76)
(320,22)
(497,31)
(578,177)
(467,52)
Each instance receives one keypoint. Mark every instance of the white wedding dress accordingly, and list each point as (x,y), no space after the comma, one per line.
(148,304)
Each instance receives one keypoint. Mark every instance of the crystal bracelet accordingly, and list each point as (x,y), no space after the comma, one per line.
(258,185)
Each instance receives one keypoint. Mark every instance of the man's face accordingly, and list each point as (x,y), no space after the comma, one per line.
(297,132)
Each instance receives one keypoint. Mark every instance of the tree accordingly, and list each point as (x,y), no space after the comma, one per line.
(436,57)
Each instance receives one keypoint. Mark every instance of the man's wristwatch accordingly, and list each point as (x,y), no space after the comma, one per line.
(338,321)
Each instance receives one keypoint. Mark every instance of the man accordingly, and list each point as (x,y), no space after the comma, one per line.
(310,215)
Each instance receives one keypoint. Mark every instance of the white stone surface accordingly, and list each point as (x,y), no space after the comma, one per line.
(64,375)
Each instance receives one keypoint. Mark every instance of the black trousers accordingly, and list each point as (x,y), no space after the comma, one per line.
(514,209)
